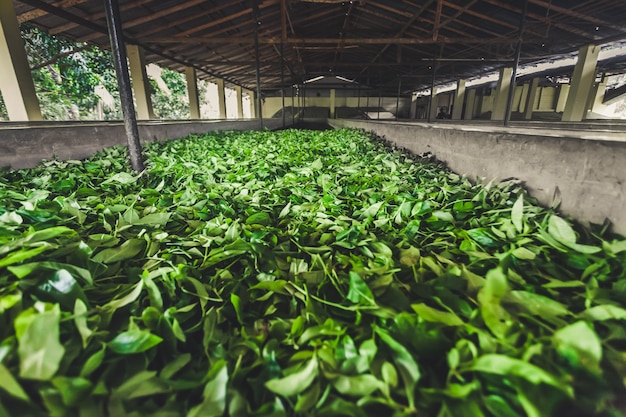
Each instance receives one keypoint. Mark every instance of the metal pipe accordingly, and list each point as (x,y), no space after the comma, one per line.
(378,110)
(255,10)
(432,90)
(398,96)
(118,49)
(282,80)
(518,52)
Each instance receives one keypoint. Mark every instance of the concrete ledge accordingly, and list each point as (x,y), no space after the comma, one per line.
(24,145)
(587,167)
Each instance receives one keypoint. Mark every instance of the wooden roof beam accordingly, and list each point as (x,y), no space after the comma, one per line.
(578,15)
(543,19)
(406,25)
(326,41)
(35,13)
(96,16)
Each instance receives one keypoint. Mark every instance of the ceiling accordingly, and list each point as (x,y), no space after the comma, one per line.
(380,44)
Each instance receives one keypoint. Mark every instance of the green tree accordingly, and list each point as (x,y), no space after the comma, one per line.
(172,104)
(66,73)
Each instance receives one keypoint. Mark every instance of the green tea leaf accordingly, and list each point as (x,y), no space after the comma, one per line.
(11,385)
(134,341)
(493,363)
(432,314)
(604,312)
(296,382)
(126,250)
(213,397)
(490,296)
(359,292)
(580,344)
(517,214)
(39,349)
(406,364)
(357,386)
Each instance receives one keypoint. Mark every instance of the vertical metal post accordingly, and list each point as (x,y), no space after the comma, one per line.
(380,93)
(118,49)
(518,52)
(398,96)
(282,80)
(255,11)
(432,91)
(358,100)
(293,103)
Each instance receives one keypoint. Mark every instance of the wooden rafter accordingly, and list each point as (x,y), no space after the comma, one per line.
(401,32)
(208,40)
(582,16)
(35,13)
(97,16)
(542,18)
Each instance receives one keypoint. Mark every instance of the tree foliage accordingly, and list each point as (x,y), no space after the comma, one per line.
(66,75)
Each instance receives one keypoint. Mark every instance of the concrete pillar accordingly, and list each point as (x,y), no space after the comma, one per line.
(581,84)
(469,104)
(332,103)
(459,97)
(597,104)
(239,92)
(221,98)
(562,98)
(16,83)
(523,98)
(434,108)
(140,83)
(530,101)
(192,93)
(413,113)
(253,109)
(501,94)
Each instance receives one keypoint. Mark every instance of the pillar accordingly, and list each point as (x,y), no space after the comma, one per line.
(192,93)
(253,112)
(332,103)
(16,83)
(562,99)
(469,106)
(221,98)
(523,97)
(434,108)
(140,83)
(239,92)
(502,94)
(581,84)
(530,101)
(459,97)
(413,114)
(597,102)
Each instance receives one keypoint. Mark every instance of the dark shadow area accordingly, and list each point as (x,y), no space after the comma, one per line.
(309,125)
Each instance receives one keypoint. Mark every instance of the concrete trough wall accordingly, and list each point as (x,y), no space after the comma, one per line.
(25,145)
(587,167)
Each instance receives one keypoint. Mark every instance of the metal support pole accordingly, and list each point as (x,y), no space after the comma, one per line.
(118,49)
(518,52)
(282,79)
(293,103)
(358,99)
(255,10)
(378,111)
(398,96)
(432,90)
